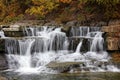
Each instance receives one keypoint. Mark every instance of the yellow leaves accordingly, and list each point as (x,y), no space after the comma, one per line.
(2,10)
(42,7)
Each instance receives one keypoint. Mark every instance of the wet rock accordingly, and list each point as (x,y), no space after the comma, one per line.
(14,33)
(3,62)
(63,66)
(5,26)
(2,45)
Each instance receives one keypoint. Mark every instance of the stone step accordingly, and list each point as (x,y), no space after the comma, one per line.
(113,34)
(113,28)
(11,29)
(62,66)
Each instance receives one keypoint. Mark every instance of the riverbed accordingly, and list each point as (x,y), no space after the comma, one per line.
(62,76)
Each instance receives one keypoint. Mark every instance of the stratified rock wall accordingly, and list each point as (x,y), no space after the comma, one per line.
(112,35)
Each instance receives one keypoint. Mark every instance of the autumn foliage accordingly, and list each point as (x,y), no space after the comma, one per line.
(61,10)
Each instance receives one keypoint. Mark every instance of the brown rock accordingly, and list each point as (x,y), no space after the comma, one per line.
(113,28)
(114,22)
(3,78)
(113,43)
(113,34)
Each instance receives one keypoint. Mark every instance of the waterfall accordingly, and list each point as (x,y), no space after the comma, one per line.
(43,45)
(97,43)
(83,30)
(78,47)
(2,34)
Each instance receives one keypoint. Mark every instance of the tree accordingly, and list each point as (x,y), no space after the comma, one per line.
(42,7)
(109,8)
(2,9)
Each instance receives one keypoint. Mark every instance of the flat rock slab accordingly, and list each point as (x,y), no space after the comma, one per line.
(113,28)
(63,66)
(113,34)
(11,29)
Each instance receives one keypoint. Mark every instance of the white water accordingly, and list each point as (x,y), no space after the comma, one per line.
(78,47)
(2,34)
(97,42)
(51,45)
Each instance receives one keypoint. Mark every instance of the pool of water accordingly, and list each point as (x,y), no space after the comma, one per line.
(65,76)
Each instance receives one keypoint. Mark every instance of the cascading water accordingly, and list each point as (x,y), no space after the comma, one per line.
(2,34)
(49,44)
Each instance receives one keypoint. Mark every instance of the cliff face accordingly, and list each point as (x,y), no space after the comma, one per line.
(112,34)
(112,40)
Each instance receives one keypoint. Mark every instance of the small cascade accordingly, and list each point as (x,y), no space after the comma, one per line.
(2,34)
(83,30)
(97,42)
(78,47)
(43,45)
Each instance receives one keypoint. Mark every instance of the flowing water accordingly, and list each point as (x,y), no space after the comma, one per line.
(2,34)
(49,44)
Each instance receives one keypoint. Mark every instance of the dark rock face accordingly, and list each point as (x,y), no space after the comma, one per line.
(3,62)
(2,45)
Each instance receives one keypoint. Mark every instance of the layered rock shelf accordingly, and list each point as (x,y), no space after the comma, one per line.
(112,37)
